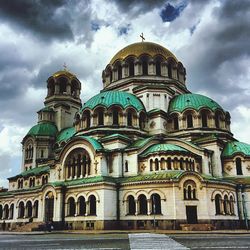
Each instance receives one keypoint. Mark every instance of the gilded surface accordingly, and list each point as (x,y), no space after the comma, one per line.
(137,49)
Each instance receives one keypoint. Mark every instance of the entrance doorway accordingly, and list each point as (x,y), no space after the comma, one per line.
(191,212)
(49,207)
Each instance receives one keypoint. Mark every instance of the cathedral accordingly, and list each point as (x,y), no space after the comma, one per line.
(143,153)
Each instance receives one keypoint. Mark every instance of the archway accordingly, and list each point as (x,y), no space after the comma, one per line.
(49,206)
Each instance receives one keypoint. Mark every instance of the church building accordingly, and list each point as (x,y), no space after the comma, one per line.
(143,153)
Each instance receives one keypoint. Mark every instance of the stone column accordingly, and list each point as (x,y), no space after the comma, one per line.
(149,202)
(136,207)
(164,69)
(124,70)
(137,68)
(68,89)
(87,208)
(151,67)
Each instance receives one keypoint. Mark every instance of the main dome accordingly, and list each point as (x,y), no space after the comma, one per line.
(137,49)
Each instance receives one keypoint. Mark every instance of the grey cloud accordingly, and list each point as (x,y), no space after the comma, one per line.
(48,19)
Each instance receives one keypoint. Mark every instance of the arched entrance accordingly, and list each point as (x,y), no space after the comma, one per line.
(49,206)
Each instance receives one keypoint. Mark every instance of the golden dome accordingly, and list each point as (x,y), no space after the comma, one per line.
(137,49)
(63,73)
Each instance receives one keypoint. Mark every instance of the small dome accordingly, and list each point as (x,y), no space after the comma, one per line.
(65,134)
(137,49)
(63,73)
(162,148)
(194,101)
(43,129)
(236,147)
(109,98)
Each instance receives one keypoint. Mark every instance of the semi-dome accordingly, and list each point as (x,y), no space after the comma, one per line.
(194,101)
(43,129)
(110,98)
(137,49)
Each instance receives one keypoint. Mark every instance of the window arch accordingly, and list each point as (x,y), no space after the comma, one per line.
(156,164)
(115,115)
(11,213)
(131,205)
(62,85)
(100,116)
(238,166)
(131,68)
(218,204)
(92,205)
(36,204)
(21,210)
(189,190)
(78,164)
(119,71)
(82,206)
(204,120)
(29,209)
(71,207)
(142,202)
(156,203)
(158,68)
(176,122)
(169,70)
(6,211)
(129,118)
(189,121)
(86,118)
(142,120)
(151,164)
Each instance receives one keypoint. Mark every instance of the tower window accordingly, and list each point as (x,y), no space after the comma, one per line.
(158,68)
(131,69)
(169,71)
(119,72)
(129,118)
(189,121)
(204,119)
(100,118)
(238,166)
(115,117)
(176,123)
(144,68)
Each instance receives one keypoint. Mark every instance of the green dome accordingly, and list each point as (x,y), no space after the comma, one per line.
(65,134)
(236,147)
(161,148)
(45,128)
(193,101)
(109,98)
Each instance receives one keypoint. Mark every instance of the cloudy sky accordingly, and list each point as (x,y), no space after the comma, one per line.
(211,39)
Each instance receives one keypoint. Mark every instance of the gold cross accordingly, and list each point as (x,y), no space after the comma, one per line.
(142,37)
(65,67)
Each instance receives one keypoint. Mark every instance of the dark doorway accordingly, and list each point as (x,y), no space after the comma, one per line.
(191,212)
(49,207)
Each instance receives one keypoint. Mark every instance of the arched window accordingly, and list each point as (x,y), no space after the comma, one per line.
(82,206)
(6,211)
(100,117)
(1,212)
(51,88)
(181,164)
(217,120)
(142,120)
(204,119)
(86,118)
(74,88)
(21,210)
(231,201)
(71,207)
(92,205)
(126,166)
(238,166)
(151,164)
(176,122)
(119,69)
(36,208)
(189,190)
(110,76)
(189,121)
(11,211)
(169,70)
(158,68)
(156,164)
(131,205)
(129,118)
(142,201)
(131,68)
(217,204)
(62,85)
(225,204)
(29,209)
(169,163)
(78,164)
(156,203)
(115,117)
(144,67)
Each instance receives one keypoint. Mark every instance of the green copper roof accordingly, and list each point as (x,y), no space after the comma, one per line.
(83,181)
(33,171)
(166,175)
(235,147)
(65,134)
(96,144)
(115,136)
(109,98)
(164,147)
(44,128)
(194,101)
(140,143)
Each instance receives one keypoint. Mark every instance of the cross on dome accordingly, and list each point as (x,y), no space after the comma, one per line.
(142,37)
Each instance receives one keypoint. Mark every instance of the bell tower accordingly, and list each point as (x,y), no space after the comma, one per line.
(63,97)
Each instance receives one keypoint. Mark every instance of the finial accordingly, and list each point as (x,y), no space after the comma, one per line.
(65,67)
(142,37)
